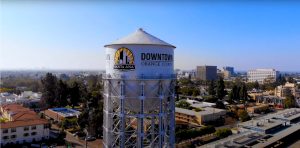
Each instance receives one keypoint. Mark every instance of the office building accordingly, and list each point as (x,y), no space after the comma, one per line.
(229,69)
(206,72)
(262,75)
(226,74)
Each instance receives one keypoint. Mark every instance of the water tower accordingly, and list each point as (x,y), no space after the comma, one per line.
(139,108)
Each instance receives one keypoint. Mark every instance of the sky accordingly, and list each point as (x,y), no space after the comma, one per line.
(71,34)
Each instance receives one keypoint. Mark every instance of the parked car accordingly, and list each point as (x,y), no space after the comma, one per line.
(43,145)
(90,138)
(80,135)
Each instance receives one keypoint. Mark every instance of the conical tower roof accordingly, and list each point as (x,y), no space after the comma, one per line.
(140,37)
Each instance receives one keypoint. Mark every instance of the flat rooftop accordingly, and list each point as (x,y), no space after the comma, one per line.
(278,136)
(204,111)
(288,114)
(261,124)
(235,140)
(254,137)
(272,120)
(203,104)
(245,139)
(65,112)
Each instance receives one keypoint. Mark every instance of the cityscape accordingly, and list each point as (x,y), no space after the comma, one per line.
(143,85)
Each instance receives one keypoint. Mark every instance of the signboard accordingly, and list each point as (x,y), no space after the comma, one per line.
(124,59)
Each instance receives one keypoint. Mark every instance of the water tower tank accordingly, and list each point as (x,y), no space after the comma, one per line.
(139,92)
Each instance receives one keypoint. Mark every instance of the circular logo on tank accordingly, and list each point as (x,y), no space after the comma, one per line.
(124,59)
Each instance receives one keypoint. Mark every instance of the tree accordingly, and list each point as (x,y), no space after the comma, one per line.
(220,89)
(96,119)
(289,100)
(185,81)
(230,97)
(93,83)
(83,118)
(291,80)
(196,91)
(229,84)
(75,94)
(49,90)
(269,86)
(220,105)
(68,122)
(256,85)
(92,115)
(62,93)
(243,115)
(183,104)
(250,85)
(211,99)
(211,88)
(235,92)
(185,91)
(281,80)
(223,132)
(243,93)
(189,91)
(192,133)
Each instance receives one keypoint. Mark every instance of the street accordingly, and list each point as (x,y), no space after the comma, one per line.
(77,143)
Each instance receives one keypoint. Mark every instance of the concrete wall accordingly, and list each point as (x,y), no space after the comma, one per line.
(40,133)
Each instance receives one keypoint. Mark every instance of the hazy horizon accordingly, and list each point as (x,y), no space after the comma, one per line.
(65,35)
(98,70)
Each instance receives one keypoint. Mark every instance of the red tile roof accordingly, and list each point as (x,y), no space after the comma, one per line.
(21,116)
(22,123)
(14,108)
(24,115)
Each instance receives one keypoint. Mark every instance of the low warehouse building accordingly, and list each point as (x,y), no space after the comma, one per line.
(202,117)
(58,114)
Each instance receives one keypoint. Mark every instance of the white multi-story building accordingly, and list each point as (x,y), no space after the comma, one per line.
(262,75)
(21,125)
(23,132)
